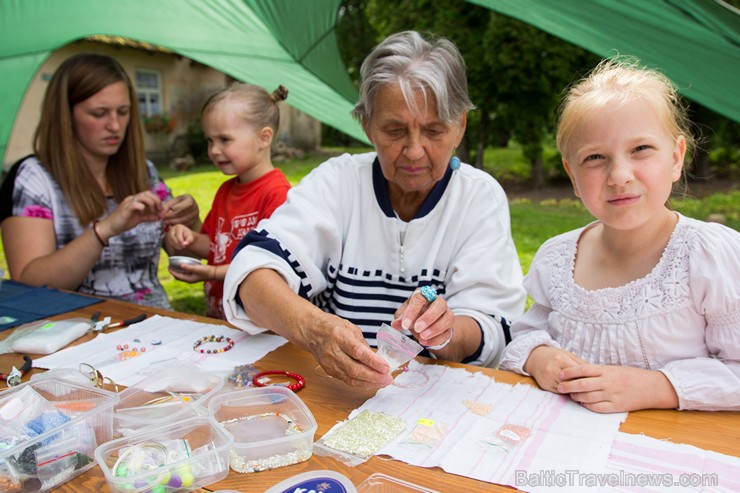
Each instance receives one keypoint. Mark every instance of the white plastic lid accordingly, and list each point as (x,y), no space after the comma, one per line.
(338,483)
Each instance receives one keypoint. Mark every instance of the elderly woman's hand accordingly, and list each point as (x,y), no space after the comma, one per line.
(431,323)
(342,352)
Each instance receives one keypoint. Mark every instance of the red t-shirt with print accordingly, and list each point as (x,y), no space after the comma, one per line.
(237,208)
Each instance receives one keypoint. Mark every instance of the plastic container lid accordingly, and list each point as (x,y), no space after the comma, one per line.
(175,393)
(322,480)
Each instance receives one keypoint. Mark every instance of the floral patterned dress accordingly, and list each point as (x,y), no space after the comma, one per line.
(127,268)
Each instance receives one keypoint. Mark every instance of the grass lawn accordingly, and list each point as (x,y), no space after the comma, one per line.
(532,223)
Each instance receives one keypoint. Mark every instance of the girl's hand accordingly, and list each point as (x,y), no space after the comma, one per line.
(194,273)
(134,209)
(180,236)
(546,363)
(612,389)
(182,209)
(430,323)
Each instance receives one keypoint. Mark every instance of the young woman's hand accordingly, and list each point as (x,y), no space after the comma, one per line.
(546,363)
(611,389)
(182,209)
(133,210)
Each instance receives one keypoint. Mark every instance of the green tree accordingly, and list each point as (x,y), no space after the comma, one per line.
(464,24)
(532,68)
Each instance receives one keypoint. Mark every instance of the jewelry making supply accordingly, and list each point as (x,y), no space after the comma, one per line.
(212,338)
(259,381)
(426,432)
(479,408)
(412,379)
(242,375)
(14,377)
(243,464)
(444,344)
(365,434)
(429,293)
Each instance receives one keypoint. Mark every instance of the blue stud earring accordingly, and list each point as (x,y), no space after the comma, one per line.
(455,162)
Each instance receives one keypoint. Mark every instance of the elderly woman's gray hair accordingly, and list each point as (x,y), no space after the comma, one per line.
(417,65)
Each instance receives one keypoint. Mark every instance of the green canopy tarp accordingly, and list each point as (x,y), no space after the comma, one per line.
(694,42)
(264,42)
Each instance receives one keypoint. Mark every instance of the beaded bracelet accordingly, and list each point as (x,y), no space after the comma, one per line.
(298,385)
(97,235)
(212,338)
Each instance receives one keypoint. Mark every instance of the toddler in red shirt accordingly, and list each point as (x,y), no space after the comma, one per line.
(239,124)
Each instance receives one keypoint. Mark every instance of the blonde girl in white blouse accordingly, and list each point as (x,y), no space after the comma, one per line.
(641,308)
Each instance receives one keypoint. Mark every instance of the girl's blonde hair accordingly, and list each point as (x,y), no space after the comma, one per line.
(619,80)
(77,79)
(255,105)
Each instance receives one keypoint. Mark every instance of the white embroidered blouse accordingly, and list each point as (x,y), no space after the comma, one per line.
(683,318)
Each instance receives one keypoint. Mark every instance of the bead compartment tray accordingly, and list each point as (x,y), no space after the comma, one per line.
(206,461)
(271,426)
(58,452)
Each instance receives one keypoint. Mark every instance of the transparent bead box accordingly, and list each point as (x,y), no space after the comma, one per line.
(49,430)
(182,456)
(174,393)
(271,426)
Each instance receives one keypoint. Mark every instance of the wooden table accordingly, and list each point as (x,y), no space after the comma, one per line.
(331,401)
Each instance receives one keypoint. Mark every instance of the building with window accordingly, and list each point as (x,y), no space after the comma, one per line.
(167,85)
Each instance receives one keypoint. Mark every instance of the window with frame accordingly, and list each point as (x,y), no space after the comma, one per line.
(149,92)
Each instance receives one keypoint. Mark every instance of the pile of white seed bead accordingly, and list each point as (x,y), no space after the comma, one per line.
(241,464)
(365,434)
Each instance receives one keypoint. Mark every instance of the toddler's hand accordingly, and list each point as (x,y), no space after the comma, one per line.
(180,236)
(545,364)
(194,273)
(612,389)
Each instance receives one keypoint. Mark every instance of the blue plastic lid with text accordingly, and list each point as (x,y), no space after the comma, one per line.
(315,482)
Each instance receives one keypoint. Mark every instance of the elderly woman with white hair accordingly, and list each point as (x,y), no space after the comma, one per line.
(405,235)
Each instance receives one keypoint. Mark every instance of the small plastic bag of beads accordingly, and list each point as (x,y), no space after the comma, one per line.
(506,437)
(359,438)
(427,432)
(396,348)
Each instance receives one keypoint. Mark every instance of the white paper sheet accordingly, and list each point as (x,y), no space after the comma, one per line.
(562,435)
(176,338)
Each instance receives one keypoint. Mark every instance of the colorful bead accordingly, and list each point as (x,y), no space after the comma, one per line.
(212,338)
(455,163)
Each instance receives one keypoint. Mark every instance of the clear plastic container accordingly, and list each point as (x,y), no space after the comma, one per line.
(183,456)
(175,393)
(271,426)
(48,432)
(380,483)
